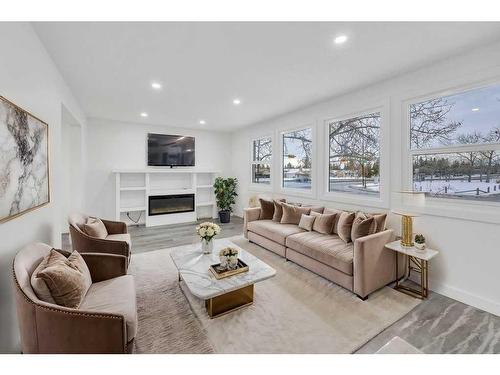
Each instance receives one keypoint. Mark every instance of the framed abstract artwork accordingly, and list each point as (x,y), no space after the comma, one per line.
(24,161)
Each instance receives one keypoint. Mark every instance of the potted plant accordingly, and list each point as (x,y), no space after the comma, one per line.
(420,241)
(207,231)
(225,194)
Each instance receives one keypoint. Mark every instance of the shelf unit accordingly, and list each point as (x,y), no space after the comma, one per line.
(135,186)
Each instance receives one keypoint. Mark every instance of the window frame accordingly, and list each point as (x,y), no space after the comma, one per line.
(257,186)
(308,193)
(382,201)
(409,153)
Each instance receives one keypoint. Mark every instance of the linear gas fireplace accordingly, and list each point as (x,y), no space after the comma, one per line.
(170,204)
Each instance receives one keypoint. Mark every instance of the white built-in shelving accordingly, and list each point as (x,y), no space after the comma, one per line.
(135,186)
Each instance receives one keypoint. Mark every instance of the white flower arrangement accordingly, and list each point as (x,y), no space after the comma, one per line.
(228,252)
(207,230)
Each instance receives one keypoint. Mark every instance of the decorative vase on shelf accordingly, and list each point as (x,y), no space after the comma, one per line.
(207,246)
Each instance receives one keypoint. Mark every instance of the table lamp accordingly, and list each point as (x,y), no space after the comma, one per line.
(409,198)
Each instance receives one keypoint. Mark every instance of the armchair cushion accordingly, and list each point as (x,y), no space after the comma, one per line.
(125,237)
(114,296)
(94,227)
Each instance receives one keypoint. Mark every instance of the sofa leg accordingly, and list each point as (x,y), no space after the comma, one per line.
(362,298)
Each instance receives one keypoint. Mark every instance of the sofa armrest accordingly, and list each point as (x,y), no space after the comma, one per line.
(84,243)
(374,265)
(71,331)
(250,214)
(105,266)
(115,227)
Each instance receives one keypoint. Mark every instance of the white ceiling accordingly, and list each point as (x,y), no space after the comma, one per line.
(273,67)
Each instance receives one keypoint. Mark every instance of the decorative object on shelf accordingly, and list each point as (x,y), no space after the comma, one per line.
(420,241)
(225,194)
(414,199)
(207,231)
(24,161)
(229,257)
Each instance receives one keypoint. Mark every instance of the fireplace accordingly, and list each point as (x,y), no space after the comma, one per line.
(170,204)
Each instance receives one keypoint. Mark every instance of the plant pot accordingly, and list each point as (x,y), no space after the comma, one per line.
(225,216)
(207,246)
(420,246)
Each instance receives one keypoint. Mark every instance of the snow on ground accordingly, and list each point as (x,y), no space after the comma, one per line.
(457,187)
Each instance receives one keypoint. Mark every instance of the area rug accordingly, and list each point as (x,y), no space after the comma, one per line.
(294,312)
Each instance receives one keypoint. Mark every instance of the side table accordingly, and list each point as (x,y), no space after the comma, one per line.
(418,261)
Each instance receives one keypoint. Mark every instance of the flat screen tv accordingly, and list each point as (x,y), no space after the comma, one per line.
(168,150)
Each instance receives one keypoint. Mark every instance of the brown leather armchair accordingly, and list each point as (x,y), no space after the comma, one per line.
(105,322)
(117,241)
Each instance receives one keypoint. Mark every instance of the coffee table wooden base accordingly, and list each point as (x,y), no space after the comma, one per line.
(230,301)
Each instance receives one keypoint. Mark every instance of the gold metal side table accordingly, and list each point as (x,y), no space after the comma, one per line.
(418,261)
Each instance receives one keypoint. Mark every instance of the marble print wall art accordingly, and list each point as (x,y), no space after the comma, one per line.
(24,163)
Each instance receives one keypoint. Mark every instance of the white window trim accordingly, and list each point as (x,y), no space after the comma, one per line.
(483,211)
(261,187)
(311,193)
(382,201)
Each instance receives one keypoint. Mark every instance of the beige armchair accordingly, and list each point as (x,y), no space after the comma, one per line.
(117,242)
(106,321)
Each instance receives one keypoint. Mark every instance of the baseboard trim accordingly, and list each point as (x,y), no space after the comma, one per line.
(461,295)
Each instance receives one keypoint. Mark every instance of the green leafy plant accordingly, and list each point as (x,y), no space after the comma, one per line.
(225,192)
(419,238)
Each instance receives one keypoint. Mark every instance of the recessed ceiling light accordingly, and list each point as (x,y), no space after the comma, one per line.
(340,39)
(156,85)
(202,122)
(236,101)
(144,114)
(475,109)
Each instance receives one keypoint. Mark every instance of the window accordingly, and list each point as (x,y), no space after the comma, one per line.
(297,159)
(455,145)
(262,150)
(354,155)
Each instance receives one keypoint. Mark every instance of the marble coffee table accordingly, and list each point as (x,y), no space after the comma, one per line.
(224,295)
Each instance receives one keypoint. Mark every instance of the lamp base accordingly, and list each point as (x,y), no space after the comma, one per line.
(406,231)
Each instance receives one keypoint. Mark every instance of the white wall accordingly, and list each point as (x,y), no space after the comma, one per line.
(468,237)
(29,78)
(118,145)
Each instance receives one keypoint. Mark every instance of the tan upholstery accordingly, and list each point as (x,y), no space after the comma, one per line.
(94,227)
(306,222)
(115,296)
(267,209)
(293,213)
(323,222)
(324,248)
(49,328)
(362,267)
(273,230)
(83,243)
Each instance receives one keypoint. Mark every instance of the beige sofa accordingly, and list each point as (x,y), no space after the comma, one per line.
(105,322)
(361,267)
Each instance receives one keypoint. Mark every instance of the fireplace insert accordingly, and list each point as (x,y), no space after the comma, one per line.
(170,204)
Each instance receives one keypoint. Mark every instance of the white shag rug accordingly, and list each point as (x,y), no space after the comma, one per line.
(296,311)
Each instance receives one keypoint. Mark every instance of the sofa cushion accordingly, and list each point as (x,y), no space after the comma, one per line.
(278,209)
(114,296)
(362,226)
(292,214)
(94,227)
(120,237)
(273,230)
(306,222)
(323,222)
(344,225)
(325,248)
(380,220)
(266,209)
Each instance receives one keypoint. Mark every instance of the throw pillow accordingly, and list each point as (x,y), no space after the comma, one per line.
(306,222)
(38,284)
(323,222)
(278,209)
(330,211)
(68,279)
(344,225)
(363,226)
(94,227)
(319,210)
(292,214)
(266,209)
(380,219)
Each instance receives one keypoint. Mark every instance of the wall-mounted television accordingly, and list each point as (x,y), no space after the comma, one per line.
(167,150)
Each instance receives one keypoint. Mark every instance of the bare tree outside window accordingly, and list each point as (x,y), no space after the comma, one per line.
(297,159)
(354,160)
(262,150)
(466,128)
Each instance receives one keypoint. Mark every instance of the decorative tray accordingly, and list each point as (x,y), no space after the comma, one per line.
(221,273)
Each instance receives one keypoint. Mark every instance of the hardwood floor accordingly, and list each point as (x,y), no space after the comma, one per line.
(438,325)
